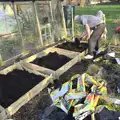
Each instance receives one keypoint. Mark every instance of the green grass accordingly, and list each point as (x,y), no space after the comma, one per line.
(112,12)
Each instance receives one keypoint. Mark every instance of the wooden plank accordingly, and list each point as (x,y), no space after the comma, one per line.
(34,67)
(13,108)
(68,65)
(68,53)
(8,69)
(38,55)
(64,68)
(1,108)
(81,56)
(3,115)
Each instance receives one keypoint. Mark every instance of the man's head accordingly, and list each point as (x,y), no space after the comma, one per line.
(100,14)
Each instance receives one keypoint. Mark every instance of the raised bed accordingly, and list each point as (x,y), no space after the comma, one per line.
(70,58)
(17,87)
(72,46)
(53,61)
(43,100)
(40,102)
(15,84)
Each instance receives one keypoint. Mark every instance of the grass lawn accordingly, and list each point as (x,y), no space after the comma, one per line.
(112,12)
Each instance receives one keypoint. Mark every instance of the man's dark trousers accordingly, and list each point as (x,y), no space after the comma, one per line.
(93,42)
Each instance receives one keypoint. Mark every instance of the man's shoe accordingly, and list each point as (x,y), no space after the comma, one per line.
(88,57)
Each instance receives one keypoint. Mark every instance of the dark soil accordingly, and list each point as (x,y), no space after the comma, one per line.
(112,76)
(15,84)
(73,47)
(52,61)
(35,108)
(78,68)
(106,114)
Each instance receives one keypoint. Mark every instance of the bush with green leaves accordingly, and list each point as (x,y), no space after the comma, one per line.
(7,48)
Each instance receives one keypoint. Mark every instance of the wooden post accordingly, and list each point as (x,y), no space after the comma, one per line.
(82,3)
(64,25)
(51,11)
(93,116)
(18,24)
(73,34)
(38,23)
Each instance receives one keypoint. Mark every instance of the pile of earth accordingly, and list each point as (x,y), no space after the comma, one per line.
(111,73)
(52,61)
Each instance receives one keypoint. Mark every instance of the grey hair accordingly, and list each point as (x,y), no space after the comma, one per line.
(77,18)
(100,14)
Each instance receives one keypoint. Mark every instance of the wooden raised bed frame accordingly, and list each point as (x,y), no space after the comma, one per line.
(49,74)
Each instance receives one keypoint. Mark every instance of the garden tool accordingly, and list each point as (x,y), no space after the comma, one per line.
(77,41)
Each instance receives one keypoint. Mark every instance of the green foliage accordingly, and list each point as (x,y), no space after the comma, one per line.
(115,39)
(93,69)
(116,21)
(105,43)
(7,47)
(30,38)
(78,29)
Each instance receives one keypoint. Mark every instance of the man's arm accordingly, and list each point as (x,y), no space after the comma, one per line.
(86,33)
(87,28)
(83,34)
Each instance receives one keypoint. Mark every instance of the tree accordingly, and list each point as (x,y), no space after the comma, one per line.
(82,3)
(101,1)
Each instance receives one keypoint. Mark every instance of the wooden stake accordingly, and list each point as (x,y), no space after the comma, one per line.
(38,23)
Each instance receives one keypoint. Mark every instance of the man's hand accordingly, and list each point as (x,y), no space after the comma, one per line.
(88,37)
(87,31)
(80,38)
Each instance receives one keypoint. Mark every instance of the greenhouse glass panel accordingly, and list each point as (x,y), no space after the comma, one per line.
(10,41)
(27,22)
(46,23)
